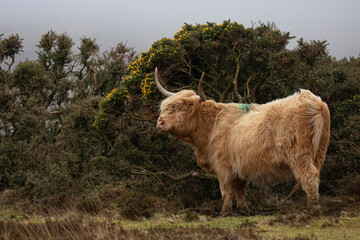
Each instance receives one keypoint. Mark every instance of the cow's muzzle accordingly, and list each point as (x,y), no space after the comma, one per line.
(160,123)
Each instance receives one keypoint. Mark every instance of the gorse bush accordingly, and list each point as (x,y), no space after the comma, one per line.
(345,109)
(221,51)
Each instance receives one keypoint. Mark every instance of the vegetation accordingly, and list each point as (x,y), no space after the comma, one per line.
(77,127)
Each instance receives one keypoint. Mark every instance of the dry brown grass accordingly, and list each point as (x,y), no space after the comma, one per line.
(77,229)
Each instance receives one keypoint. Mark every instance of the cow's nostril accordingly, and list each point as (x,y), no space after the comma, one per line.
(160,123)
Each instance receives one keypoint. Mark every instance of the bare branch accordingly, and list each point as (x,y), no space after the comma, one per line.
(10,65)
(223,94)
(235,82)
(248,87)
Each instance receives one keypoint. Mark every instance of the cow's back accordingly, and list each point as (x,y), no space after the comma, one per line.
(261,145)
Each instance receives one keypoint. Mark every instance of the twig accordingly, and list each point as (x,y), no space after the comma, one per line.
(252,195)
(3,75)
(293,191)
(235,82)
(142,171)
(347,142)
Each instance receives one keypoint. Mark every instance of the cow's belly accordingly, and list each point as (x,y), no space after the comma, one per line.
(274,174)
(267,167)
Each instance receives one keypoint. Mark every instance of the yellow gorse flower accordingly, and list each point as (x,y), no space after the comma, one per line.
(113,98)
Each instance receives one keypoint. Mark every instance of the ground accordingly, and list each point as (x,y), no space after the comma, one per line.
(295,224)
(339,219)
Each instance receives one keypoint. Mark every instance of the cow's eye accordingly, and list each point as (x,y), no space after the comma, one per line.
(182,109)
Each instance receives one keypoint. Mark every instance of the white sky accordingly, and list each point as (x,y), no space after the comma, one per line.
(140,22)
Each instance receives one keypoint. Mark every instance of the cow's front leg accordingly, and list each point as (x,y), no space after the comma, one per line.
(227,193)
(240,187)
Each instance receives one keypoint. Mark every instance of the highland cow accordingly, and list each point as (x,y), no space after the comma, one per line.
(259,143)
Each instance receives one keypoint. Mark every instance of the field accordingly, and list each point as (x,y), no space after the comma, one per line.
(291,224)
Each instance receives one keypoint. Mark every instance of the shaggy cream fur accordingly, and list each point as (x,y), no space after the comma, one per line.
(264,144)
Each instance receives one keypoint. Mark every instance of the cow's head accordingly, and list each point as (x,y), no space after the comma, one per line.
(178,110)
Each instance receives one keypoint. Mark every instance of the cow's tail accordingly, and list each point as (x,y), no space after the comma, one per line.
(318,113)
(320,123)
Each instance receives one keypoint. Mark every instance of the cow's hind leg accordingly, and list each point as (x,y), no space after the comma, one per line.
(309,177)
(306,165)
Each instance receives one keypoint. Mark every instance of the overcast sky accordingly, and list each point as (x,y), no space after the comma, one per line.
(140,22)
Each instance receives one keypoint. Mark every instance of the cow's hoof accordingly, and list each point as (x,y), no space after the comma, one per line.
(243,211)
(314,211)
(225,213)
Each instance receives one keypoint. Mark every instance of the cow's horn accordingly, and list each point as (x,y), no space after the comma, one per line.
(200,89)
(161,89)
